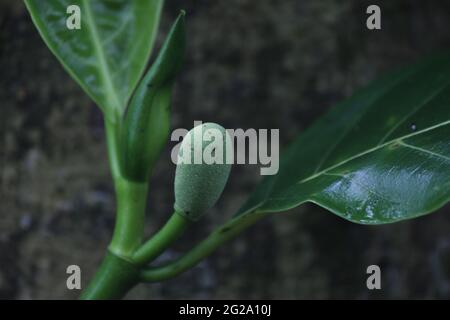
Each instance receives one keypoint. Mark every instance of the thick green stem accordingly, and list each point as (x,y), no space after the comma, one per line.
(117,274)
(169,233)
(131,201)
(113,279)
(203,249)
(129,229)
(112,140)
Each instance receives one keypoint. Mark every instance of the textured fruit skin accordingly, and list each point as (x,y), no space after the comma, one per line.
(199,186)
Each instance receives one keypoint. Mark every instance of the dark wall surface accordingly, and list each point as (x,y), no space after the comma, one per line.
(250,64)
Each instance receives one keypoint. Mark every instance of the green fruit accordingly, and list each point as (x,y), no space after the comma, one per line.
(146,124)
(199,185)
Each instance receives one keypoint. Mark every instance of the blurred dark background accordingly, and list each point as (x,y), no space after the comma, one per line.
(259,64)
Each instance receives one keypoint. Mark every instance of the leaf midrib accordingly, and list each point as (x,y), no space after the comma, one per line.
(415,110)
(397,140)
(381,144)
(406,117)
(104,69)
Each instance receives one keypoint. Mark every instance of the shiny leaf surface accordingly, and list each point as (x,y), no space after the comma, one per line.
(109,53)
(381,156)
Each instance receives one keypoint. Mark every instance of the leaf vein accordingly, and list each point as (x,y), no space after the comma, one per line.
(373,149)
(423,150)
(104,69)
(415,110)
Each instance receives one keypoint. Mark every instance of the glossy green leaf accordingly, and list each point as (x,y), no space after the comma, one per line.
(379,157)
(108,55)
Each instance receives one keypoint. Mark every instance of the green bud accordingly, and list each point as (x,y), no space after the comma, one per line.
(202,171)
(145,129)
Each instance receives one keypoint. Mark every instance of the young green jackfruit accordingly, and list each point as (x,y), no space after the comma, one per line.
(145,128)
(202,170)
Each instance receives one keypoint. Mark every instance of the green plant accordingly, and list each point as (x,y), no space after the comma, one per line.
(379,157)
